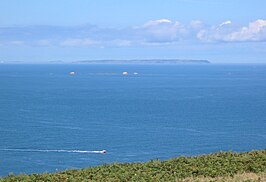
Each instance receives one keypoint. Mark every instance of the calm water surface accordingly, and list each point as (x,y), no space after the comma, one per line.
(47,117)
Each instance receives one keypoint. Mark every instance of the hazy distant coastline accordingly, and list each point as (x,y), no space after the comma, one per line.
(143,61)
(115,61)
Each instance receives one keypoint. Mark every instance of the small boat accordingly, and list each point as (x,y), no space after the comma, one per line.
(72,73)
(125,73)
(103,152)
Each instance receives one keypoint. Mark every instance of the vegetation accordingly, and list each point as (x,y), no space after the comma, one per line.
(222,166)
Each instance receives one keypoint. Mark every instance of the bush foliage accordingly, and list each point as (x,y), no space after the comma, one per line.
(222,164)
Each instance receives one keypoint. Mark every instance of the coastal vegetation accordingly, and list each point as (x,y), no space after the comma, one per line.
(221,166)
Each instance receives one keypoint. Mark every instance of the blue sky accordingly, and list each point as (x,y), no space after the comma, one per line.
(47,30)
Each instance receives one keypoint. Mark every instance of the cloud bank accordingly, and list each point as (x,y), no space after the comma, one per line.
(162,31)
(228,32)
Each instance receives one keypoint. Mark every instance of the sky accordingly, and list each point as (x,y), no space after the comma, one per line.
(223,31)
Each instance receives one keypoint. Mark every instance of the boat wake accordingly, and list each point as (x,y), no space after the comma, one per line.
(62,151)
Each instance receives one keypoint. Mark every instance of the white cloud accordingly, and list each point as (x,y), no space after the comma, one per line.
(196,24)
(227,32)
(225,23)
(162,30)
(79,42)
(16,42)
(13,42)
(255,31)
(157,22)
(122,43)
(154,32)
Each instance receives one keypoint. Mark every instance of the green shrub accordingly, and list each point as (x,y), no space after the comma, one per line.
(222,164)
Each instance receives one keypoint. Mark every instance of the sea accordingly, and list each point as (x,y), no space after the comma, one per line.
(51,120)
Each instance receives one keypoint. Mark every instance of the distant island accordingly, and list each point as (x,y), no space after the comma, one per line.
(143,61)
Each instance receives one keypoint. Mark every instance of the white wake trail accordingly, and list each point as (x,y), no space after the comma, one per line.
(63,151)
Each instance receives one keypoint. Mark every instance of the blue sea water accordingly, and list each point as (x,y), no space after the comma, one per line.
(48,118)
